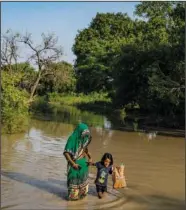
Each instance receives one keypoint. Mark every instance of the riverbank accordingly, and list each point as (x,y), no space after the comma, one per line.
(78,108)
(78,99)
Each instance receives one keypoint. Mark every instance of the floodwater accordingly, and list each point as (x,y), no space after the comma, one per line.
(33,169)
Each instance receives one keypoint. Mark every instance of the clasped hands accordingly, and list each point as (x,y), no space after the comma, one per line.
(77,166)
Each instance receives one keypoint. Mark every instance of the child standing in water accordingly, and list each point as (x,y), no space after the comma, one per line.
(104,167)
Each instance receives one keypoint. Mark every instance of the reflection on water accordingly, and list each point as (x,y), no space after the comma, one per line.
(33,167)
(73,115)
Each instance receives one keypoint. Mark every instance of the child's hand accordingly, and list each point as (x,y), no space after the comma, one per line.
(113,168)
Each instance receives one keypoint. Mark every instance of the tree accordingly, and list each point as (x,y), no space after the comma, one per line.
(157,22)
(146,78)
(97,46)
(9,50)
(14,103)
(27,72)
(150,73)
(62,80)
(43,55)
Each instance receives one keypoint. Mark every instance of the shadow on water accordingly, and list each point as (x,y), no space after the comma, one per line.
(157,202)
(48,186)
(167,202)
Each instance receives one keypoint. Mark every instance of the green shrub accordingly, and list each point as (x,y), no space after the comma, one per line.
(76,99)
(14,104)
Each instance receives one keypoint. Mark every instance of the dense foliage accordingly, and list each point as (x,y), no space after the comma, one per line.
(97,47)
(14,103)
(137,61)
(60,80)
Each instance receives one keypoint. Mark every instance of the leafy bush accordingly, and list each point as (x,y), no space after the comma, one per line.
(14,104)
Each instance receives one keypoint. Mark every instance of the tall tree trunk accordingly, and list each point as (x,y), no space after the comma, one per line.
(33,90)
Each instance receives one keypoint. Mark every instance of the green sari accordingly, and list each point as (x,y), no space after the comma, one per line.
(77,179)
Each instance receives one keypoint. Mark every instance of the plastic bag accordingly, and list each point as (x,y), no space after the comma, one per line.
(118,177)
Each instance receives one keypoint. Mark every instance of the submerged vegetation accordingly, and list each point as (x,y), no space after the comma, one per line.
(135,67)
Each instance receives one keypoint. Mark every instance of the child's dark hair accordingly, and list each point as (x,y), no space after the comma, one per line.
(107,156)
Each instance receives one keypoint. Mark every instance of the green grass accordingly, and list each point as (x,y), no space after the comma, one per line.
(76,99)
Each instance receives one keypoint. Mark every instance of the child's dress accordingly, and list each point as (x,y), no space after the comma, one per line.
(118,177)
(102,177)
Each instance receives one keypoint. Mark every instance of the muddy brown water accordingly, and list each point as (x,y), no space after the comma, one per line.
(33,169)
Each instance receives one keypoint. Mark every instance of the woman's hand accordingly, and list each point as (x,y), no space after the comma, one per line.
(91,163)
(75,166)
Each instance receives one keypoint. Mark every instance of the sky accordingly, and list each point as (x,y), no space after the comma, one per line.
(64,19)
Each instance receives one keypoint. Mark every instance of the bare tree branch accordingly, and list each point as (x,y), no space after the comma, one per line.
(43,55)
(9,49)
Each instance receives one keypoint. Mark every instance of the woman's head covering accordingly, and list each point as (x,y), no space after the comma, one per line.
(78,140)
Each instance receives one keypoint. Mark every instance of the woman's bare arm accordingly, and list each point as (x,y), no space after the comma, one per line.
(91,164)
(68,158)
(88,154)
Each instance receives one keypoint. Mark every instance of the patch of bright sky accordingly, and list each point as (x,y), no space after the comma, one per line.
(62,18)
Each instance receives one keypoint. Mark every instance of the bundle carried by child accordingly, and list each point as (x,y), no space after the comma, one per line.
(118,177)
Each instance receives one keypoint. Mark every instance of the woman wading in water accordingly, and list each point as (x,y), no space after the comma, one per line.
(76,151)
